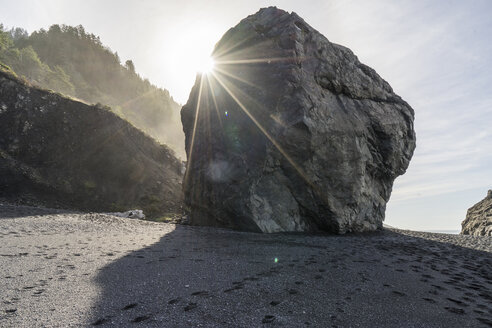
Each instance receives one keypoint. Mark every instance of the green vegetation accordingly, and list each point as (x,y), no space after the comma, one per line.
(90,184)
(71,61)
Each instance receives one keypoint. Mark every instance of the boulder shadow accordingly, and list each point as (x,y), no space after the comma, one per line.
(199,276)
(11,211)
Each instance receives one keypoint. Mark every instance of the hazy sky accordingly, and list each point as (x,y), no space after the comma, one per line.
(437,55)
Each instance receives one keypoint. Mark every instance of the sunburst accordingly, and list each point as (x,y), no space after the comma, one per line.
(224,67)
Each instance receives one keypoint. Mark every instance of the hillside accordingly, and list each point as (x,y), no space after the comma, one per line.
(478,221)
(75,63)
(59,152)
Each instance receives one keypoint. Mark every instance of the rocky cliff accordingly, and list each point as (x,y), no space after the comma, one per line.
(292,133)
(478,221)
(64,153)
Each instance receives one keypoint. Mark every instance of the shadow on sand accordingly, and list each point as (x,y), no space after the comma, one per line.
(10,211)
(197,276)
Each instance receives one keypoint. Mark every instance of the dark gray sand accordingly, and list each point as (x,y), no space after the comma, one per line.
(61,269)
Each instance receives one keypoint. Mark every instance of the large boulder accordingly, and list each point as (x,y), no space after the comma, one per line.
(59,152)
(478,221)
(290,132)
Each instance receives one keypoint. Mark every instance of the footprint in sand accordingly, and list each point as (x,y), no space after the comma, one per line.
(200,293)
(454,310)
(190,306)
(130,306)
(430,300)
(99,322)
(140,318)
(38,292)
(485,321)
(268,319)
(458,302)
(293,291)
(399,293)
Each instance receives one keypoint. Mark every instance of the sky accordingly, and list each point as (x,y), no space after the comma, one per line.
(436,55)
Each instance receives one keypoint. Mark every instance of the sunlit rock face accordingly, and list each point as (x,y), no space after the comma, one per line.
(292,133)
(478,221)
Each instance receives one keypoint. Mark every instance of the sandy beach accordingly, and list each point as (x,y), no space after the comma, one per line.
(68,269)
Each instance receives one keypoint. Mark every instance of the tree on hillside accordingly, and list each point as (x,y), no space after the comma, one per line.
(130,66)
(19,35)
(69,60)
(5,39)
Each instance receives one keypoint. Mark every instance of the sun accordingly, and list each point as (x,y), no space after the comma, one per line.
(190,55)
(206,65)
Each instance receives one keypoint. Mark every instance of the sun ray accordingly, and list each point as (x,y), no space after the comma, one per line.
(299,170)
(197,112)
(236,77)
(259,60)
(249,51)
(206,123)
(226,50)
(211,90)
(262,107)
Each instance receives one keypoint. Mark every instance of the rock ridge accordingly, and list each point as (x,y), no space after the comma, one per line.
(478,221)
(59,152)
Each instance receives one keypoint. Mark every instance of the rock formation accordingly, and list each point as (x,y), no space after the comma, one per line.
(292,133)
(133,214)
(478,221)
(64,153)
